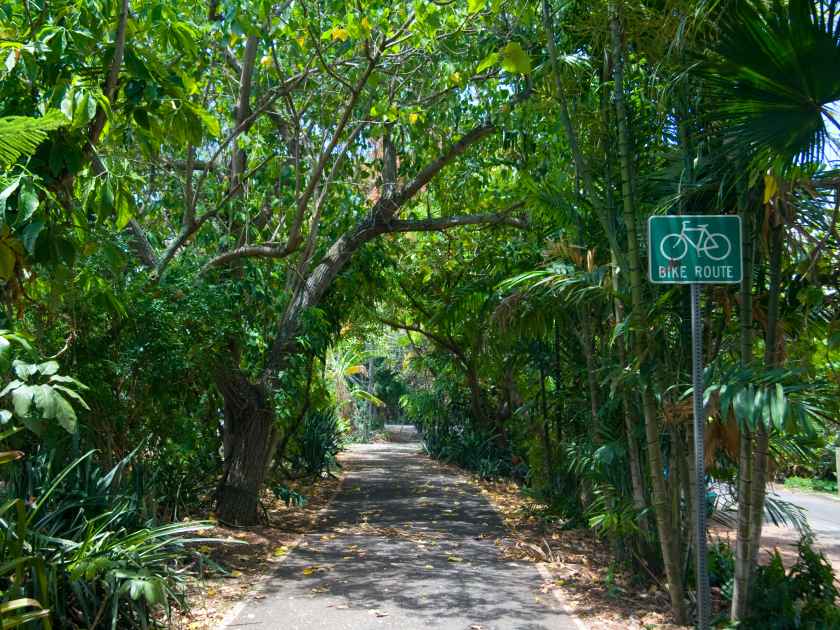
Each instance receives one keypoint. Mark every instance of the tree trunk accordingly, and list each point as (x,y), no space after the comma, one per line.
(248,433)
(771,360)
(664,524)
(587,340)
(743,567)
(249,415)
(548,460)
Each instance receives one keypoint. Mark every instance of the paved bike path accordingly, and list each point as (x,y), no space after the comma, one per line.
(406,544)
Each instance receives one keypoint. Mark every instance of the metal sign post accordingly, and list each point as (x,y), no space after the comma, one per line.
(704,604)
(696,250)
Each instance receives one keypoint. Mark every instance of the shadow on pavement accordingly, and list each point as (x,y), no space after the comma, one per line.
(405,544)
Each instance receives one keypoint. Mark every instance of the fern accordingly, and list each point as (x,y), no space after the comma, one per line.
(21,135)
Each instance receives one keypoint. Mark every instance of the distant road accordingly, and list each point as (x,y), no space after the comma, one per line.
(823,513)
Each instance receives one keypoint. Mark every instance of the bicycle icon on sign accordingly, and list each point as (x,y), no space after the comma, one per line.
(715,246)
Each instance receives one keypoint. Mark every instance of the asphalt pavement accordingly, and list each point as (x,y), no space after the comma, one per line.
(823,514)
(406,544)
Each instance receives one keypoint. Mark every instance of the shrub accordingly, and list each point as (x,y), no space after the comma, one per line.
(803,597)
(107,564)
(319,443)
(721,565)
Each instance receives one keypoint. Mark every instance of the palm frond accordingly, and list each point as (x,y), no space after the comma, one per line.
(21,135)
(773,77)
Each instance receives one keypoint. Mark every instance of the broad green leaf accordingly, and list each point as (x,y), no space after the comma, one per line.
(490,60)
(59,378)
(22,400)
(73,394)
(23,369)
(778,406)
(45,401)
(474,6)
(27,203)
(515,60)
(7,192)
(210,122)
(742,406)
(13,385)
(30,235)
(65,414)
(48,368)
(124,213)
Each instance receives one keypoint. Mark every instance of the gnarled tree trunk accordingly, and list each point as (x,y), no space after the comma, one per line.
(248,435)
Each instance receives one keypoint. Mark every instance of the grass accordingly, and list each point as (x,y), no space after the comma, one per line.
(812,485)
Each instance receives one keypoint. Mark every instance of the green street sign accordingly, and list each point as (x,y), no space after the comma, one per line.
(694,249)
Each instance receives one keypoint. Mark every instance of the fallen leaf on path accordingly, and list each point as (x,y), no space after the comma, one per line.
(309,570)
(455,559)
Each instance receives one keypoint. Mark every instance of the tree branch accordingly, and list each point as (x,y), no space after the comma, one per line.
(113,74)
(438,339)
(446,223)
(387,208)
(141,245)
(243,107)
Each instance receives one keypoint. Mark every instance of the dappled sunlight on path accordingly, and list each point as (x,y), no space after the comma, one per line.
(406,544)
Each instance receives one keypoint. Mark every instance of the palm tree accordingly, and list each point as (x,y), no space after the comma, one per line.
(772,79)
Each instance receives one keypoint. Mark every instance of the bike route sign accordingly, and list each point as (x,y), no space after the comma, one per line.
(694,249)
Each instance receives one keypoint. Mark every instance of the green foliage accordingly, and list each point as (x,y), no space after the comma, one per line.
(17,564)
(721,564)
(155,242)
(450,435)
(773,80)
(802,597)
(288,496)
(781,398)
(811,484)
(106,561)
(82,540)
(20,135)
(318,444)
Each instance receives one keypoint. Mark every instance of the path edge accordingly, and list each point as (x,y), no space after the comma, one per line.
(264,579)
(546,575)
(542,569)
